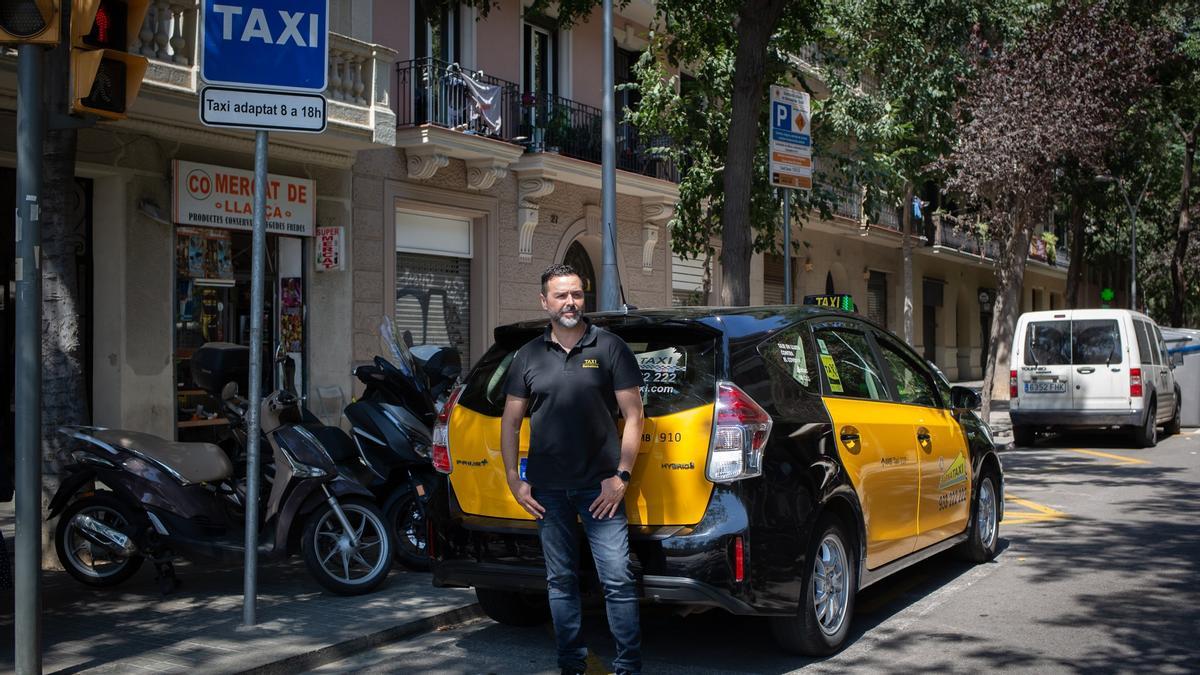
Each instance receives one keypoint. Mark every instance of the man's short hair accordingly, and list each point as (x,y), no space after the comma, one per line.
(559,270)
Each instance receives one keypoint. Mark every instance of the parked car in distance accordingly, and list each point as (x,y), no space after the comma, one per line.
(1092,368)
(790,457)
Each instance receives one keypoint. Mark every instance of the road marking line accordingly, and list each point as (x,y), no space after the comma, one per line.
(1107,455)
(1040,512)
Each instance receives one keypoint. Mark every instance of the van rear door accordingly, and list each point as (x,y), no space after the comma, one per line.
(1044,380)
(678,362)
(1100,363)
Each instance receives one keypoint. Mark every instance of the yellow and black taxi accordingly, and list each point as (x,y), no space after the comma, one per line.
(790,457)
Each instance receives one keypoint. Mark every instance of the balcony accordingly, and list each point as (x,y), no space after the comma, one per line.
(948,236)
(846,203)
(431,93)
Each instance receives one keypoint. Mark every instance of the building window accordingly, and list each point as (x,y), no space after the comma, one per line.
(433,280)
(877,298)
(437,34)
(540,53)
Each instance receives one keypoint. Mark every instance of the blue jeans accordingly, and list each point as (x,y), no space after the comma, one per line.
(609,541)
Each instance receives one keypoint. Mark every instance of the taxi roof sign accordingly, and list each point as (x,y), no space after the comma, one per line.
(842,301)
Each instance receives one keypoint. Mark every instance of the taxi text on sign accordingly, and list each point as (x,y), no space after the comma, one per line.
(206,195)
(791,142)
(266,44)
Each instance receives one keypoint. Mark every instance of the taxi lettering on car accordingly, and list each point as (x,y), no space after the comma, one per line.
(790,457)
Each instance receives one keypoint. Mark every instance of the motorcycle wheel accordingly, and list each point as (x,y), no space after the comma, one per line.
(334,562)
(409,529)
(91,564)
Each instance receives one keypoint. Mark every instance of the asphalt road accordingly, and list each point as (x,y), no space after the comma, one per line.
(1099,570)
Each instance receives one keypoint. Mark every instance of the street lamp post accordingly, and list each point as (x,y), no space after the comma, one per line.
(1133,210)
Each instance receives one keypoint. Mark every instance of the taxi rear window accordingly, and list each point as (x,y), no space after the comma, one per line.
(678,368)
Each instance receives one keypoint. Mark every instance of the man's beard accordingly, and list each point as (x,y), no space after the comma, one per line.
(566,321)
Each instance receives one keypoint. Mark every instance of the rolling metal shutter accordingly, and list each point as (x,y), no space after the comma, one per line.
(687,281)
(433,301)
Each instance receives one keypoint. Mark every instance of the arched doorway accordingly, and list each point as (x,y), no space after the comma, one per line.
(577,257)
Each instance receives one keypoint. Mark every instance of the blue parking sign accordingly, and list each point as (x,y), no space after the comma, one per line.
(266,44)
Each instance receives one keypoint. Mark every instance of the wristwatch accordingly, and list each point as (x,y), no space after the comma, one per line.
(623,475)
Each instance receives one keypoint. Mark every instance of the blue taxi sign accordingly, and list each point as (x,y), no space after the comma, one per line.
(280,45)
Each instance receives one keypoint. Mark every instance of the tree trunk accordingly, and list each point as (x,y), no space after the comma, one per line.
(757,20)
(1183,232)
(907,255)
(63,391)
(1076,234)
(1010,275)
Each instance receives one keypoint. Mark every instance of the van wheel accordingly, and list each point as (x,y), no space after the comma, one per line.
(1146,436)
(1174,425)
(1023,435)
(826,607)
(514,609)
(980,546)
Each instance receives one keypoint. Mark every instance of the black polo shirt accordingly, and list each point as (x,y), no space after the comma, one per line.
(573,441)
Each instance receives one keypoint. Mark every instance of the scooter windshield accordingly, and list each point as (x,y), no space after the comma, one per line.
(393,345)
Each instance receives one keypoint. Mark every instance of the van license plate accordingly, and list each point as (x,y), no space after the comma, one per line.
(1045,387)
(521,469)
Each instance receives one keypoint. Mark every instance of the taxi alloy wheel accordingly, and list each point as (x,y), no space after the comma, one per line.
(984,532)
(830,589)
(822,621)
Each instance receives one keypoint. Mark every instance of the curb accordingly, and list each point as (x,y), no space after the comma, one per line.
(336,652)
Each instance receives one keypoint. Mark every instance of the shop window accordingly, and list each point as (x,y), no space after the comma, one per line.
(877,290)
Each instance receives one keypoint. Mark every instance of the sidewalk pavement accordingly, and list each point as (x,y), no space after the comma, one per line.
(133,628)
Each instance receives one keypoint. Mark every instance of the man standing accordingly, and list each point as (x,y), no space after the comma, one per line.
(574,379)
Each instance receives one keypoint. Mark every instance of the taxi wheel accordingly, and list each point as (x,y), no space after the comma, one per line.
(984,533)
(826,607)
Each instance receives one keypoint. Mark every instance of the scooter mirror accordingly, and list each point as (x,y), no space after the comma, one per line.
(229,391)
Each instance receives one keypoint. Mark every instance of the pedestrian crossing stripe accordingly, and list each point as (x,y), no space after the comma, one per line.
(1036,513)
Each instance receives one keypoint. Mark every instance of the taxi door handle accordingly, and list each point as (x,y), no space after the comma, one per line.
(925,439)
(849,435)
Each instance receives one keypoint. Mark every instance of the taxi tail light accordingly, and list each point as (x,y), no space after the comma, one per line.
(1135,382)
(1012,384)
(739,560)
(740,433)
(441,434)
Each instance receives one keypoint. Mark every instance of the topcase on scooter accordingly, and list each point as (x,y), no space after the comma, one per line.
(217,363)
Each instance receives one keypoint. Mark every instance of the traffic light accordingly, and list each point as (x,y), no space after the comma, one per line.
(105,77)
(29,22)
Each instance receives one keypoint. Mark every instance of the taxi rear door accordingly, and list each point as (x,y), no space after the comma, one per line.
(944,493)
(874,438)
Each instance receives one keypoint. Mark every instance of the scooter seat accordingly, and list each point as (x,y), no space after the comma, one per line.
(193,462)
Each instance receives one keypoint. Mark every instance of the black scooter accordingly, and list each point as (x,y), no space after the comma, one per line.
(392,430)
(165,499)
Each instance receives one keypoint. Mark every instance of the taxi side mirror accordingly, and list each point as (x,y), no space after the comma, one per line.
(962,398)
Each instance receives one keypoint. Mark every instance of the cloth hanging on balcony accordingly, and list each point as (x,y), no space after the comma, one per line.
(486,98)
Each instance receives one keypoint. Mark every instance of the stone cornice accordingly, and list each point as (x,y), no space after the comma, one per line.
(586,174)
(487,158)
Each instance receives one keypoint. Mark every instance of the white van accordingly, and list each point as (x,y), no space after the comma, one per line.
(1093,368)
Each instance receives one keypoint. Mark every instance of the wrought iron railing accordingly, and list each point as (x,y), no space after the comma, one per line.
(430,91)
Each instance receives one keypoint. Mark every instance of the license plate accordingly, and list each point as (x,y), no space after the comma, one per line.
(521,469)
(1045,387)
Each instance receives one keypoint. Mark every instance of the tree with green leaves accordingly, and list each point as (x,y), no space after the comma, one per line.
(896,70)
(1056,96)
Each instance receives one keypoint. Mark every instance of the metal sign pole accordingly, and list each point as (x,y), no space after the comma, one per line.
(253,423)
(610,296)
(28,412)
(787,247)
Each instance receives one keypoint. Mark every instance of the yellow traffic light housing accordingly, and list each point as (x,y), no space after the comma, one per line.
(105,77)
(29,22)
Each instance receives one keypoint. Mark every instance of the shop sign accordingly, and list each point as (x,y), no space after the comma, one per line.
(215,196)
(331,250)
